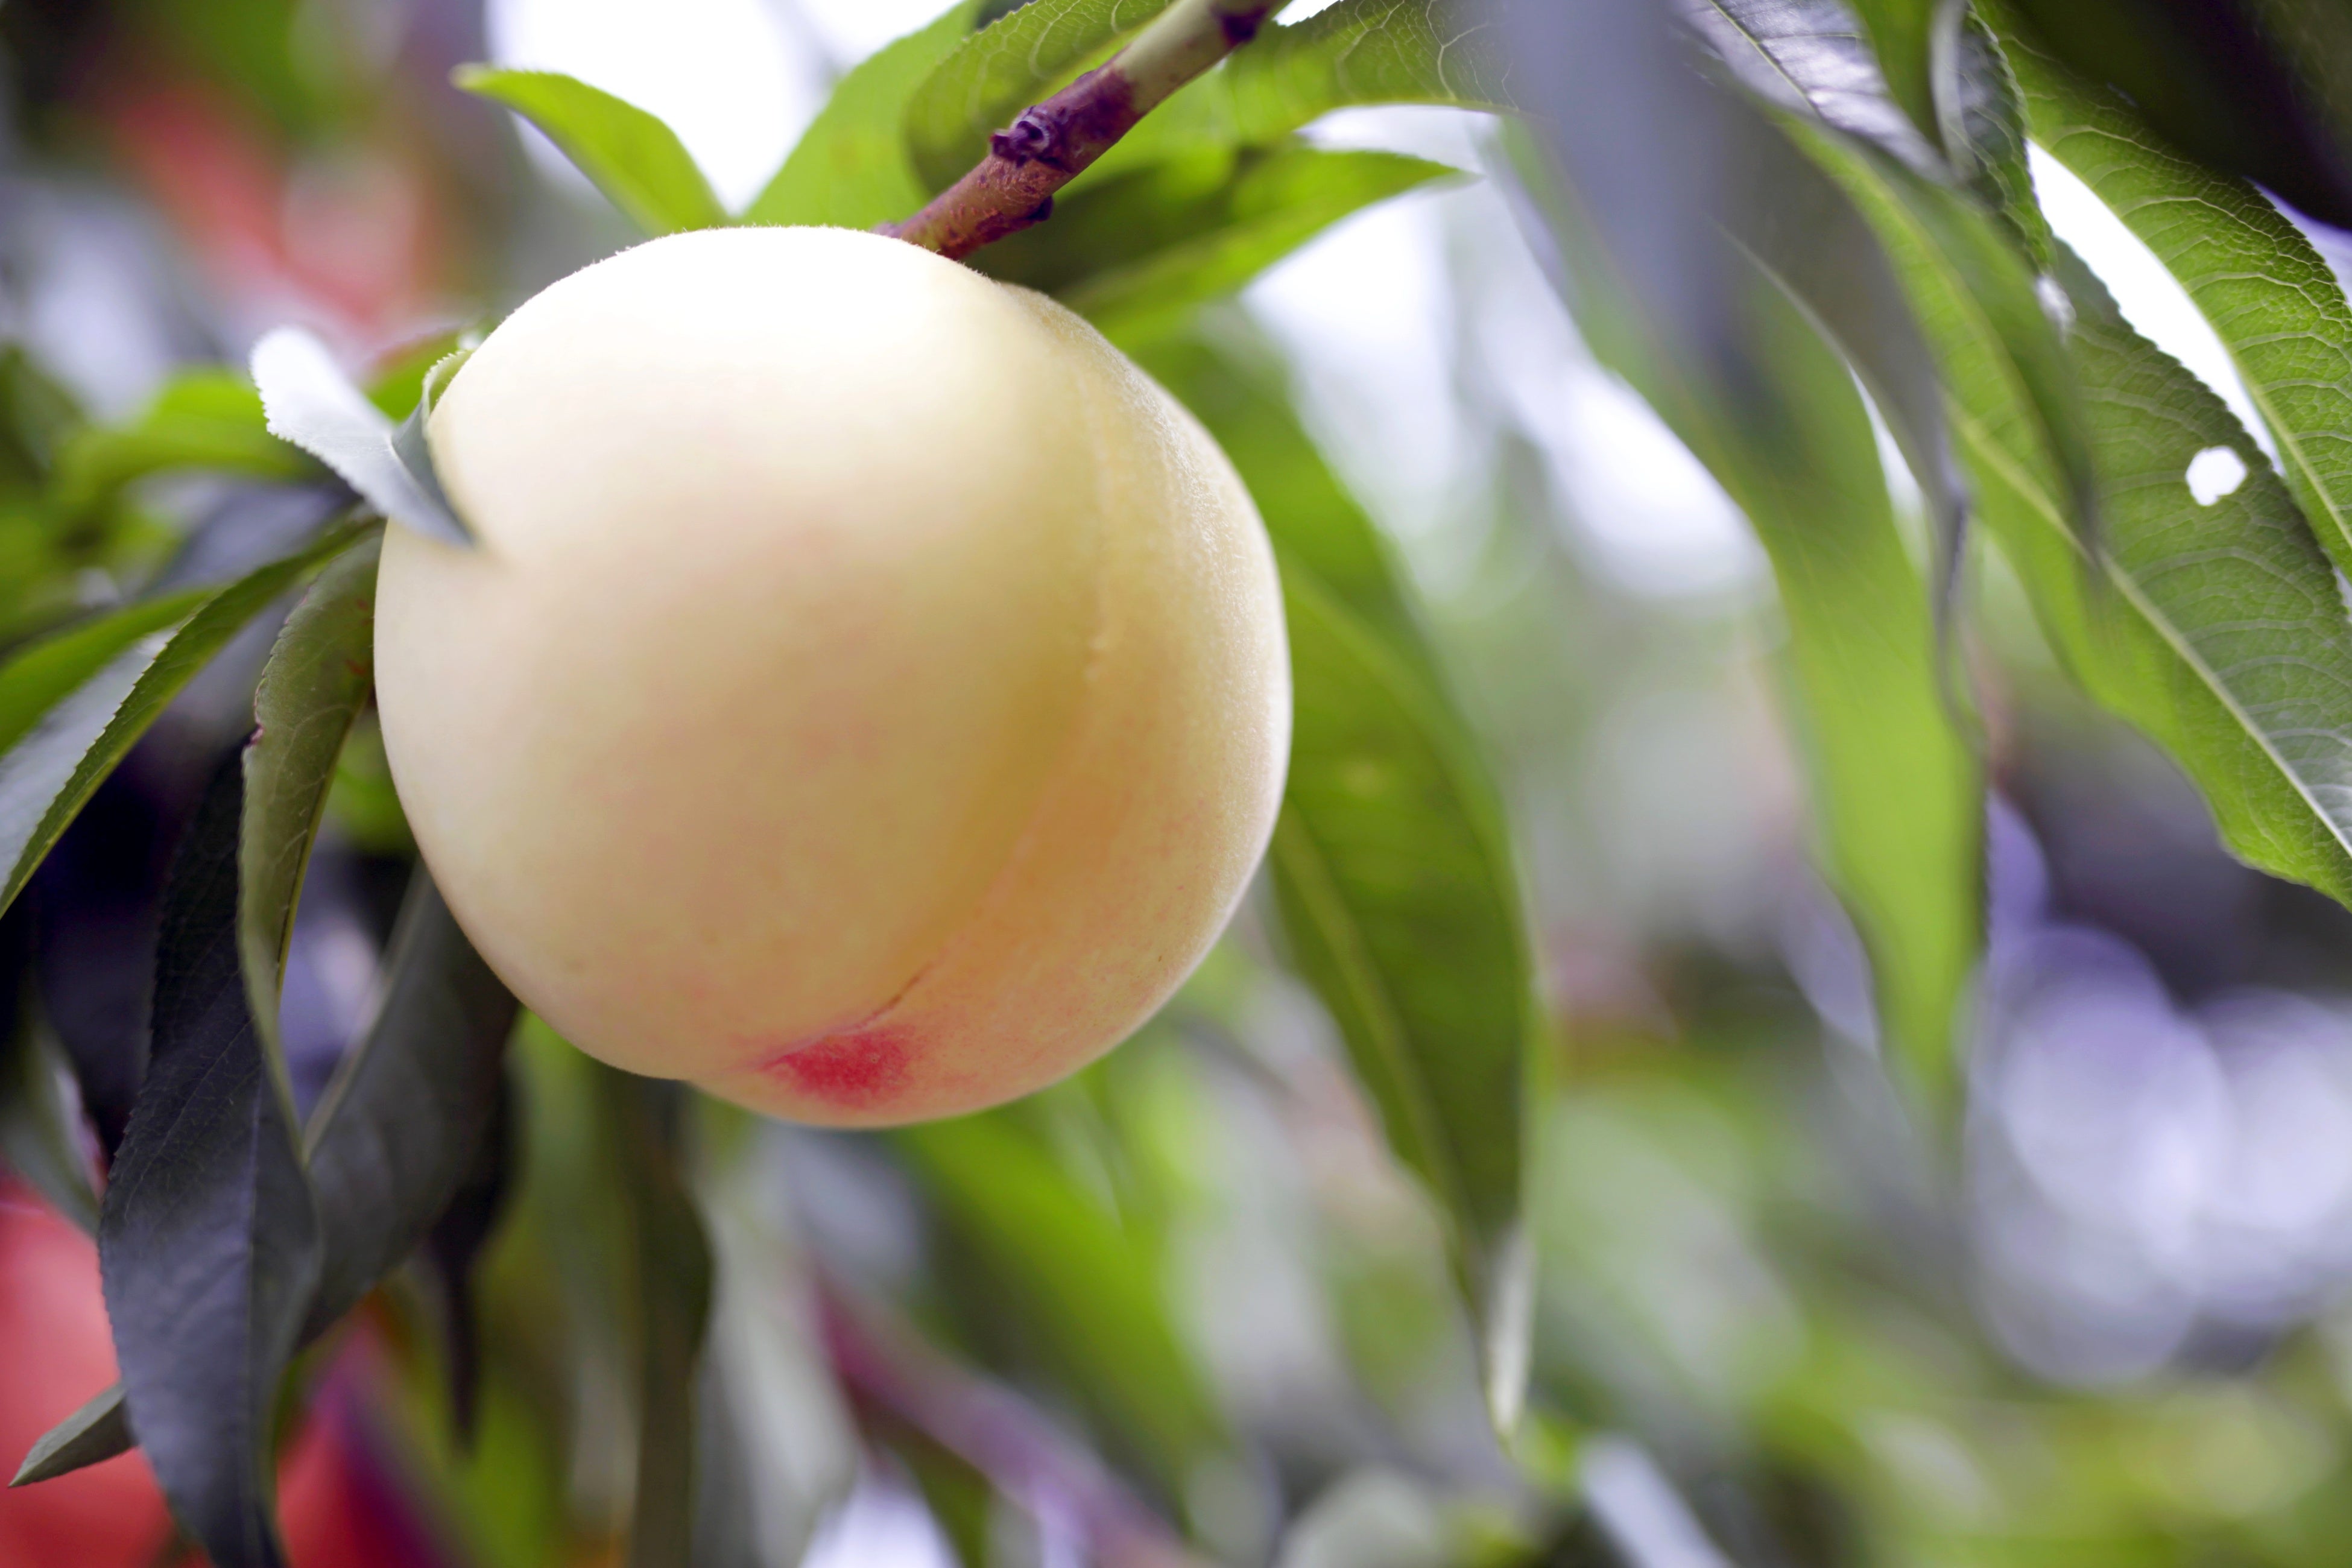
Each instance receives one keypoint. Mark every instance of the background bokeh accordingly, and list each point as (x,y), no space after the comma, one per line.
(2110,1326)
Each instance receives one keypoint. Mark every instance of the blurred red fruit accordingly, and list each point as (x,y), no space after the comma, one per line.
(55,1352)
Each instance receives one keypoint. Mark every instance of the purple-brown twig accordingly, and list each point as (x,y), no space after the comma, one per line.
(1054,141)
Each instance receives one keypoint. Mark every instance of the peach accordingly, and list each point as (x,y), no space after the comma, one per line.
(867,696)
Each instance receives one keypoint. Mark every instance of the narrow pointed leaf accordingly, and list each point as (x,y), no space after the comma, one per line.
(1904,34)
(1357,52)
(1759,400)
(40,1130)
(1089,1289)
(311,404)
(2219,630)
(318,678)
(644,1118)
(631,155)
(1392,859)
(852,168)
(92,1435)
(403,1122)
(208,1244)
(1984,289)
(204,419)
(392,1141)
(2272,301)
(1137,254)
(51,768)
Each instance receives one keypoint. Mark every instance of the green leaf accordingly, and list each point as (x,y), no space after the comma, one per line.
(320,674)
(40,676)
(2217,630)
(208,418)
(1135,255)
(1982,301)
(52,767)
(851,168)
(1356,52)
(644,1118)
(43,1139)
(92,1435)
(1392,859)
(993,74)
(400,1127)
(208,1244)
(630,155)
(1904,34)
(1896,793)
(1088,1291)
(2269,297)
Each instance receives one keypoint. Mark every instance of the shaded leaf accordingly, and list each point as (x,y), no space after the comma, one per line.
(312,404)
(851,167)
(403,1123)
(670,1254)
(208,1244)
(92,1435)
(456,1245)
(993,74)
(631,155)
(1137,254)
(318,675)
(52,767)
(42,675)
(2217,630)
(1088,1293)
(2272,301)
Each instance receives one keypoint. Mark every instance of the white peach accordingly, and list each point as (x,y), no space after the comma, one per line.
(867,696)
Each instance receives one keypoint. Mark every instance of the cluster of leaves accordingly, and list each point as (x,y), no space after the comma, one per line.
(1761,214)
(1856,207)
(231,1236)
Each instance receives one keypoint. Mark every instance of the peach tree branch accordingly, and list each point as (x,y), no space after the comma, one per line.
(1053,142)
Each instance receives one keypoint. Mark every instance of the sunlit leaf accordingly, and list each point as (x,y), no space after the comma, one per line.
(1896,792)
(1391,860)
(993,74)
(1985,265)
(2271,298)
(52,767)
(1356,52)
(208,1244)
(1137,254)
(851,168)
(318,676)
(631,155)
(2219,630)
(313,405)
(2261,89)
(1904,33)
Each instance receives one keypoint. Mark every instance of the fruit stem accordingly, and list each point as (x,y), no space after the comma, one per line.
(1054,141)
